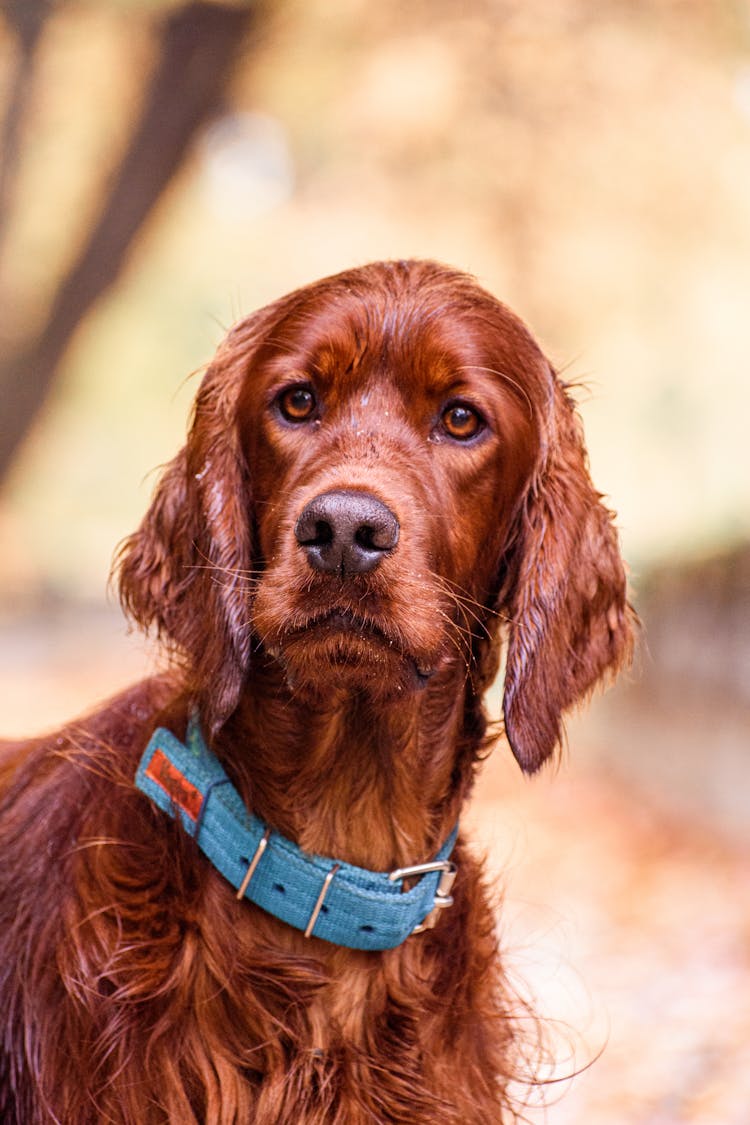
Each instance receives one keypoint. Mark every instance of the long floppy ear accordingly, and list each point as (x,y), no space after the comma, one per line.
(565,593)
(186,571)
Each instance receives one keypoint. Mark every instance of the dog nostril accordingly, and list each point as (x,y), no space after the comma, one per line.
(365,537)
(382,537)
(310,532)
(322,534)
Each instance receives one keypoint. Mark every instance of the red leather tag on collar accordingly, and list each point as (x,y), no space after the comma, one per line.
(184,795)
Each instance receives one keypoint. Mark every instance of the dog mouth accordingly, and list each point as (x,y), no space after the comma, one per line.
(348,636)
(340,619)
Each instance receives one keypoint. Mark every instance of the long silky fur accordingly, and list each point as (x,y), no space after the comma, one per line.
(144,1002)
(134,988)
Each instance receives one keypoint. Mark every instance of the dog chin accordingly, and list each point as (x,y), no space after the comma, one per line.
(357,664)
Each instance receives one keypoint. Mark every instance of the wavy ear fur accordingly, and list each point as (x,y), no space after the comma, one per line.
(565,593)
(186,571)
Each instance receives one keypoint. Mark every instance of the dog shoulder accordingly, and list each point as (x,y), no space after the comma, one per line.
(65,786)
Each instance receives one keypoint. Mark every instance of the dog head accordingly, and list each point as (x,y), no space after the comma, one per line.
(381,468)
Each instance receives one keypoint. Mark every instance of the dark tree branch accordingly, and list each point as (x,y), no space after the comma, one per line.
(26,19)
(199,43)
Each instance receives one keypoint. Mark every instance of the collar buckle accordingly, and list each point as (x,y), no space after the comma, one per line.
(443,897)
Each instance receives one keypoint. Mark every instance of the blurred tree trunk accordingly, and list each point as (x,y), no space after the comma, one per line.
(26,19)
(199,42)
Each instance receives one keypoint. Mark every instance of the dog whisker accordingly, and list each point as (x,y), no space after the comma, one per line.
(506,379)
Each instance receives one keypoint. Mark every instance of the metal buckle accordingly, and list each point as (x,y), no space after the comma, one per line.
(443,895)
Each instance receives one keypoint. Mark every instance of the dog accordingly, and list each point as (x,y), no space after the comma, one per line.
(238,892)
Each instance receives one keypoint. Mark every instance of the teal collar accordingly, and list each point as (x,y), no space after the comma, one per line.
(333,900)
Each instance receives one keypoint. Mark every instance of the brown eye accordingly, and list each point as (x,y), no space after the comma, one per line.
(461,422)
(297,404)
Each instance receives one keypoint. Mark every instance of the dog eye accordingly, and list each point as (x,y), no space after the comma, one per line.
(297,404)
(461,422)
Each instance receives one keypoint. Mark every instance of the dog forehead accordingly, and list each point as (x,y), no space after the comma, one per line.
(351,343)
(419,331)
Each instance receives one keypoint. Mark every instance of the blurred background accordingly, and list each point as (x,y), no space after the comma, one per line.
(168,167)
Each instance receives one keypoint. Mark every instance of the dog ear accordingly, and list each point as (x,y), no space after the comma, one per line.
(187,570)
(565,592)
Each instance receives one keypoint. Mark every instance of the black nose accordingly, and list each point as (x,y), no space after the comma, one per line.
(346,532)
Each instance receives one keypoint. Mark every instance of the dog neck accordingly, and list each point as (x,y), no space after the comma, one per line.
(377,786)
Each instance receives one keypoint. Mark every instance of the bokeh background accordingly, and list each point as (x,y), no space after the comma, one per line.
(167,167)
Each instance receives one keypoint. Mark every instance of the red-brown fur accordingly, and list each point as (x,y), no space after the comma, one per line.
(134,988)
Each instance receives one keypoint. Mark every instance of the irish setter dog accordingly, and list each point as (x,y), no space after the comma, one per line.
(384,485)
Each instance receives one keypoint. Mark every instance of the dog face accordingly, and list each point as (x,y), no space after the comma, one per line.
(381,467)
(388,457)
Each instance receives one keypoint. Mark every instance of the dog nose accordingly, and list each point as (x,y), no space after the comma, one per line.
(345,532)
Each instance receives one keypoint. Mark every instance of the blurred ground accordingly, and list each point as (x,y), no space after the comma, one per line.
(628,922)
(631,926)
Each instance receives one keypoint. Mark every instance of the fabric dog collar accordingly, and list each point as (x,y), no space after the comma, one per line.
(336,901)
